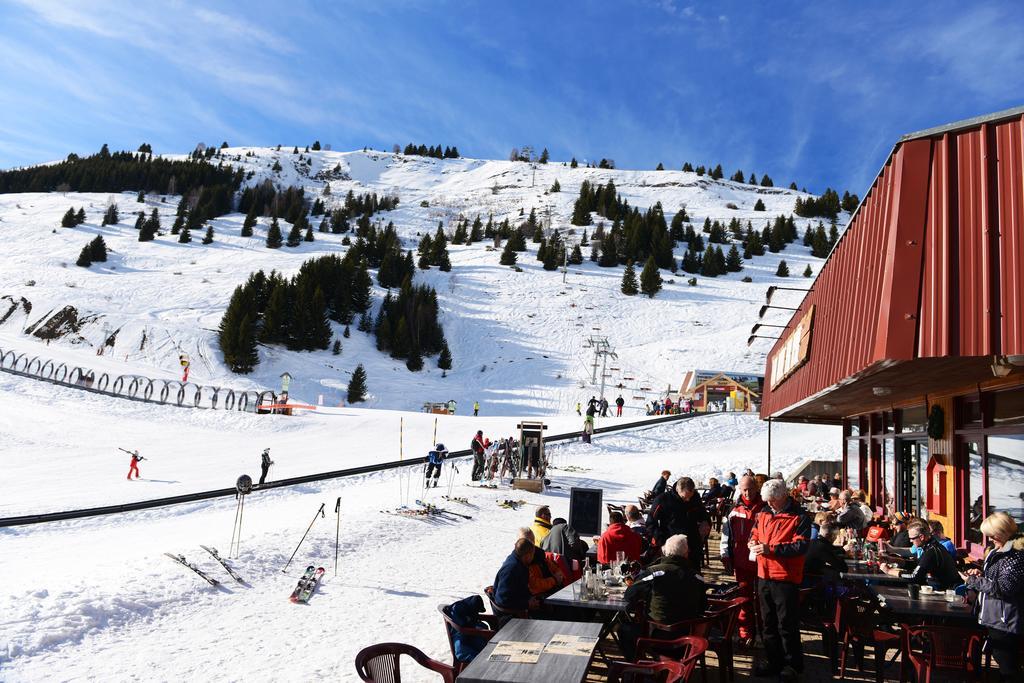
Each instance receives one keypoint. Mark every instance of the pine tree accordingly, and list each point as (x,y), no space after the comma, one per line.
(294,236)
(576,257)
(80,216)
(460,235)
(555,186)
(476,234)
(415,361)
(97,249)
(807,271)
(150,227)
(336,347)
(759,205)
(185,236)
(444,361)
(246,354)
(141,197)
(660,167)
(250,222)
(309,234)
(68,221)
(629,285)
(357,385)
(346,333)
(208,239)
(650,278)
(84,259)
(110,216)
(573,163)
(274,239)
(783,269)
(445,265)
(424,262)
(320,332)
(733,263)
(508,255)
(708,264)
(544,156)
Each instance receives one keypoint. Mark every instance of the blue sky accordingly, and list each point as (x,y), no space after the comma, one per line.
(815,92)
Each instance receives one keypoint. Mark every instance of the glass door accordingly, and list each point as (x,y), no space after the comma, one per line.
(912,461)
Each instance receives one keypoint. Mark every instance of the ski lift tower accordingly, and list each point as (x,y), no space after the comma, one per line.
(604,351)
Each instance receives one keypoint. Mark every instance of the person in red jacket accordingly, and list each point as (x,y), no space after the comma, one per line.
(618,537)
(735,555)
(134,466)
(779,541)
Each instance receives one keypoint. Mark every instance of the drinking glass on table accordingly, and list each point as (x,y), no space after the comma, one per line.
(620,559)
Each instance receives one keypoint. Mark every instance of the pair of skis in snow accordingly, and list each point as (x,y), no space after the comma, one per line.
(425,510)
(180,559)
(307,585)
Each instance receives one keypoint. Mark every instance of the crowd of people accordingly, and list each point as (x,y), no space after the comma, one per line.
(776,539)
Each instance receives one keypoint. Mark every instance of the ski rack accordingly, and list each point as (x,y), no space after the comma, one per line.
(308,478)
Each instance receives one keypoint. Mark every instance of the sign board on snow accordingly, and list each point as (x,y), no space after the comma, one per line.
(585,507)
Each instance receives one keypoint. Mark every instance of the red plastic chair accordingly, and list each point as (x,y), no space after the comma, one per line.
(501,611)
(727,616)
(451,628)
(686,652)
(665,645)
(381,663)
(942,648)
(855,624)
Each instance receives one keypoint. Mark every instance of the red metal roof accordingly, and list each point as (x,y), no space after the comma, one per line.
(931,264)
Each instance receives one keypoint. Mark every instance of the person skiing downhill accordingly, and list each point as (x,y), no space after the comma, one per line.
(435,459)
(134,467)
(265,463)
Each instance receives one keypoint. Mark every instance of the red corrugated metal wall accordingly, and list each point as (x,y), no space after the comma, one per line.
(931,265)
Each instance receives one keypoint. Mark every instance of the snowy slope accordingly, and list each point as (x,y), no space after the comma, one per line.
(96,600)
(163,298)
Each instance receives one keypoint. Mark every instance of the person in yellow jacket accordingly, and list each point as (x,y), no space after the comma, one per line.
(541,523)
(476,408)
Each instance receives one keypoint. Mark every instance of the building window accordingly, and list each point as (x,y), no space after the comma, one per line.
(975,494)
(1008,408)
(853,464)
(972,412)
(914,419)
(889,472)
(1006,474)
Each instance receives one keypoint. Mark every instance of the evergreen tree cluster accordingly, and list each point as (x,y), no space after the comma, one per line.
(432,151)
(434,252)
(820,243)
(295,312)
(93,252)
(636,237)
(266,200)
(827,205)
(407,325)
(73,218)
(551,252)
(382,249)
(602,199)
(369,203)
(122,172)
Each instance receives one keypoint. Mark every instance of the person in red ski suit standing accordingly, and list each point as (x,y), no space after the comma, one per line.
(734,551)
(134,467)
(478,448)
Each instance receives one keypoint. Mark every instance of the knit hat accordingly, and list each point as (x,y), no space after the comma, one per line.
(900,517)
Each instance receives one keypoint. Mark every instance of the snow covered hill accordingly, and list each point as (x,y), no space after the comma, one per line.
(518,338)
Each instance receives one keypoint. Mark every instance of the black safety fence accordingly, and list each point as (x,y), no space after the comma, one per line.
(132,387)
(309,478)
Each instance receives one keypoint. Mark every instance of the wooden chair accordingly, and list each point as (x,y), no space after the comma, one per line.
(684,650)
(501,611)
(942,648)
(381,663)
(451,628)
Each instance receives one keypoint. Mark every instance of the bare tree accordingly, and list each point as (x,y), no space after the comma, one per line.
(395,149)
(514,154)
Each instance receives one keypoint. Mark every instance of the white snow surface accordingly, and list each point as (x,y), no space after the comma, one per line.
(95,599)
(518,339)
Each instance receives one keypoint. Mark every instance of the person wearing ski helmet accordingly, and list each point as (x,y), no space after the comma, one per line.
(435,459)
(134,467)
(265,463)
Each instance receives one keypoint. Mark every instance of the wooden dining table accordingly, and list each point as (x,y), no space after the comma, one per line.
(548,668)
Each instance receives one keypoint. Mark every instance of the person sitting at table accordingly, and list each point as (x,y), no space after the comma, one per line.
(671,590)
(824,559)
(731,481)
(635,521)
(1001,586)
(834,504)
(618,537)
(821,517)
(851,515)
(713,492)
(512,582)
(900,537)
(541,523)
(545,573)
(935,526)
(935,564)
(837,481)
(563,540)
(802,483)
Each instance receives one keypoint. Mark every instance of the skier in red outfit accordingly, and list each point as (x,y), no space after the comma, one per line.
(135,465)
(735,555)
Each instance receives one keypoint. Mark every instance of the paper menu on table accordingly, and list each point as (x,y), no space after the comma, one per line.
(580,646)
(517,652)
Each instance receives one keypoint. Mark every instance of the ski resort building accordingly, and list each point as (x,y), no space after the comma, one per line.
(912,337)
(712,390)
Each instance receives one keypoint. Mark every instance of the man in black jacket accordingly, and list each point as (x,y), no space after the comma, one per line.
(672,590)
(680,511)
(265,463)
(661,485)
(824,559)
(935,564)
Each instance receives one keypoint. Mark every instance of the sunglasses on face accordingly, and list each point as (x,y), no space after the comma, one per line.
(919,537)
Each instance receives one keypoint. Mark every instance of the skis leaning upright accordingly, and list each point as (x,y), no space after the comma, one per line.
(302,583)
(180,559)
(223,563)
(308,585)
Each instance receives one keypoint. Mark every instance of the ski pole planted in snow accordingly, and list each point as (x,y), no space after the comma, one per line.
(337,533)
(319,513)
(401,485)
